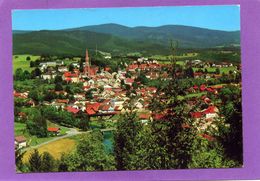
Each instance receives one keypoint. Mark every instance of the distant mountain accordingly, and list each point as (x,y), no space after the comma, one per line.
(121,39)
(188,37)
(75,43)
(20,31)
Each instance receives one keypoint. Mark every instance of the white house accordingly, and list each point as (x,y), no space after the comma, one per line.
(20,142)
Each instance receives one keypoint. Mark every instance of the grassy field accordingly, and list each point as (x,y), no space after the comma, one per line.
(165,58)
(222,70)
(19,129)
(55,148)
(19,61)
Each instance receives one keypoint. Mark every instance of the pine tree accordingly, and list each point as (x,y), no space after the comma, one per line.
(127,130)
(47,163)
(35,161)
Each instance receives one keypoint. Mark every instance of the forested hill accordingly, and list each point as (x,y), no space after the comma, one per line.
(116,38)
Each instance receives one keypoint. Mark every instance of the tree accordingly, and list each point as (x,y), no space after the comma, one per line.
(90,155)
(35,161)
(37,72)
(71,67)
(58,87)
(35,95)
(189,72)
(206,154)
(28,58)
(217,71)
(19,75)
(127,129)
(37,124)
(58,79)
(26,74)
(47,162)
(19,159)
(63,165)
(135,85)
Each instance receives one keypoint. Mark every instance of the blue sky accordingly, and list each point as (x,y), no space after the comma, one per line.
(211,17)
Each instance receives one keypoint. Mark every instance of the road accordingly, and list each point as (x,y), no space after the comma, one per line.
(71,132)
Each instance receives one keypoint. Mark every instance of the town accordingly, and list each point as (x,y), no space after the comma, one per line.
(73,98)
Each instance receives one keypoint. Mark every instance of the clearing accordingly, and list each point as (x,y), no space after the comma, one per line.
(19,61)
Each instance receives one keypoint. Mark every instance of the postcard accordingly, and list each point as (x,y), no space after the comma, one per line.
(127,88)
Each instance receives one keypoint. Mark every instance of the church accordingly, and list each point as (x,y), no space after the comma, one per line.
(89,70)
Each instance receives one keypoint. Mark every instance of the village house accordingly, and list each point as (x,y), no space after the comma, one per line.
(71,77)
(48,76)
(62,69)
(20,142)
(53,131)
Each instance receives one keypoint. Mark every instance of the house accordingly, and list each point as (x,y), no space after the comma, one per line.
(48,76)
(22,115)
(144,118)
(132,67)
(211,112)
(20,142)
(71,77)
(92,108)
(129,81)
(54,131)
(72,110)
(62,69)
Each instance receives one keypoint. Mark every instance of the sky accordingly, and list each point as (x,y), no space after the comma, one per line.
(212,17)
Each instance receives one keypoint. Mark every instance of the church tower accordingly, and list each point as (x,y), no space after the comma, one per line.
(87,64)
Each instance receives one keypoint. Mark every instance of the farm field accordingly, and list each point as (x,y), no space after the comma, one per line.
(213,69)
(55,148)
(19,61)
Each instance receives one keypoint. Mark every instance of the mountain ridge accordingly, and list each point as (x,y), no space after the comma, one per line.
(115,38)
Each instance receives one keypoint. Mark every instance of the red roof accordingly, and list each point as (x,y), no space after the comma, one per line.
(62,101)
(72,110)
(142,66)
(197,73)
(128,80)
(21,114)
(186,126)
(195,87)
(202,87)
(196,114)
(158,116)
(117,108)
(68,79)
(53,129)
(208,137)
(210,109)
(92,108)
(104,107)
(20,139)
(132,66)
(210,89)
(217,86)
(144,116)
(107,69)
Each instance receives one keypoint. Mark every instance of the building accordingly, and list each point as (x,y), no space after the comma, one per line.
(54,131)
(20,142)
(89,70)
